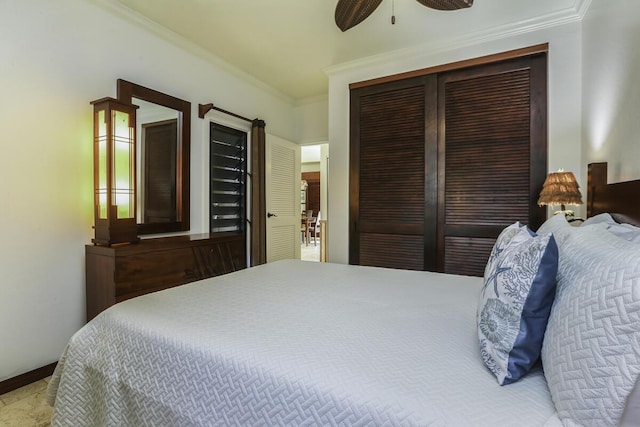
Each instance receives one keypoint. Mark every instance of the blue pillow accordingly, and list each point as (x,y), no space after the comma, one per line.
(519,288)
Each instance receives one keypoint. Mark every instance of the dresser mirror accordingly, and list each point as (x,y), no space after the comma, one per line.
(163,129)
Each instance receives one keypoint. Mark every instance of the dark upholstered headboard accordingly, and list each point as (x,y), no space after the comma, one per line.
(620,199)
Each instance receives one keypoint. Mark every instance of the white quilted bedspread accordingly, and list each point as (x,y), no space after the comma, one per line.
(293,343)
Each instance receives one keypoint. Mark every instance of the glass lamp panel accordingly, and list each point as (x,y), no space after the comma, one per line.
(101,147)
(123,156)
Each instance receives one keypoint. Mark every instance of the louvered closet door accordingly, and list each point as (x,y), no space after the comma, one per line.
(392,222)
(492,147)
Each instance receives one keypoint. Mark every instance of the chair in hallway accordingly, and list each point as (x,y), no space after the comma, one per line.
(314,228)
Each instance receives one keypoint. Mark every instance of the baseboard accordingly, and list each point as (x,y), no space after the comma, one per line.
(27,378)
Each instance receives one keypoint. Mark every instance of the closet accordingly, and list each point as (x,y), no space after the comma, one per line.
(442,161)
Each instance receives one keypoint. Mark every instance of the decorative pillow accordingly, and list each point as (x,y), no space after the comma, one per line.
(557,225)
(591,351)
(502,241)
(598,219)
(518,291)
(627,232)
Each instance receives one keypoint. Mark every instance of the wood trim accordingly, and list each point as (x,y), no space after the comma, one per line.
(27,378)
(538,138)
(620,199)
(596,175)
(126,91)
(258,194)
(205,108)
(431,178)
(354,178)
(517,53)
(311,176)
(323,240)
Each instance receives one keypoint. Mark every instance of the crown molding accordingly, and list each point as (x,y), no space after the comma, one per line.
(311,100)
(567,16)
(581,7)
(121,11)
(314,141)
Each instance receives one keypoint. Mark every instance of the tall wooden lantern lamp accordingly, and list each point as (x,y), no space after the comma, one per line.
(114,172)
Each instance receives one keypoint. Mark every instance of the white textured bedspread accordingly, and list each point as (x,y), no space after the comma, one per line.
(293,343)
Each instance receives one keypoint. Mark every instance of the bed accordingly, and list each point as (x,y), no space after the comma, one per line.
(348,345)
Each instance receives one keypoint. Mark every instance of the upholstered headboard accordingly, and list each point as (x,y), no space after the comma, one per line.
(620,199)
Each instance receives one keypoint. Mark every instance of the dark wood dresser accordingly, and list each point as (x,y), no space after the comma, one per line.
(119,272)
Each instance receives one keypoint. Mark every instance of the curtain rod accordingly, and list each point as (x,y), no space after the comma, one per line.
(205,108)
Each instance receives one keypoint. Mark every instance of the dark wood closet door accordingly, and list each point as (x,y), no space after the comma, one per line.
(492,157)
(160,171)
(441,163)
(392,177)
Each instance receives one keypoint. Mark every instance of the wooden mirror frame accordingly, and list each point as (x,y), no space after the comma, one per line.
(127,91)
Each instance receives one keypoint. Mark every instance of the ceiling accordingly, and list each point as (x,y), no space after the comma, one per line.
(288,44)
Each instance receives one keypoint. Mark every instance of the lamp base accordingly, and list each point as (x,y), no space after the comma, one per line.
(115,231)
(566,212)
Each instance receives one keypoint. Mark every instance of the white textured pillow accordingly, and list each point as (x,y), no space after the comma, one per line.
(591,350)
(558,226)
(598,219)
(631,415)
(627,232)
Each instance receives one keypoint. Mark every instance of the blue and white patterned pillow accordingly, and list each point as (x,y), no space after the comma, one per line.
(501,244)
(519,287)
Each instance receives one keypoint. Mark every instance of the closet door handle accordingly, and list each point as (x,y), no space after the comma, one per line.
(269,215)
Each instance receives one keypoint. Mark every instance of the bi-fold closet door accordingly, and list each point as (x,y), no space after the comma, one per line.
(440,163)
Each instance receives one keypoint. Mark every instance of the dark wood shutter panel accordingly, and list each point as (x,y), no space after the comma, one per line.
(392,251)
(392,157)
(487,162)
(461,253)
(391,178)
(487,149)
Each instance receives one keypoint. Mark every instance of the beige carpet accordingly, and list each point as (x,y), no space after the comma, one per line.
(26,406)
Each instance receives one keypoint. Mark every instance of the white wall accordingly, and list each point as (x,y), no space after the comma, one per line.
(311,120)
(56,57)
(564,62)
(611,93)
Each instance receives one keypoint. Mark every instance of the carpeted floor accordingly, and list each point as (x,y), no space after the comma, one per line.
(26,406)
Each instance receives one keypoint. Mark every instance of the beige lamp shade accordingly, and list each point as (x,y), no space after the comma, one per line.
(560,188)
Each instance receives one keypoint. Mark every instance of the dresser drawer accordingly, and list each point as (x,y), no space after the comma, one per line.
(142,273)
(118,273)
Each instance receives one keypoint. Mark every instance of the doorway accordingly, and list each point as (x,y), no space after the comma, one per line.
(314,210)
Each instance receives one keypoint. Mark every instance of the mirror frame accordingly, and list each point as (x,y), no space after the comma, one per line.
(127,91)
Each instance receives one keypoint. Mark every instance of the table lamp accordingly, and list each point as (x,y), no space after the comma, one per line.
(560,188)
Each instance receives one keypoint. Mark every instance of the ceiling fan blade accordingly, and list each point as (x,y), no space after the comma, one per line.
(350,13)
(446,4)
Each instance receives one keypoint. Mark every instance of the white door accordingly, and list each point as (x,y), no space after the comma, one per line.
(283,199)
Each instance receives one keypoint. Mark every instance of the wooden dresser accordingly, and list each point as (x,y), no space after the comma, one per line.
(117,273)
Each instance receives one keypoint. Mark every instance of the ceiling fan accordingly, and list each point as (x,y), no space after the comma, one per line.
(350,13)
